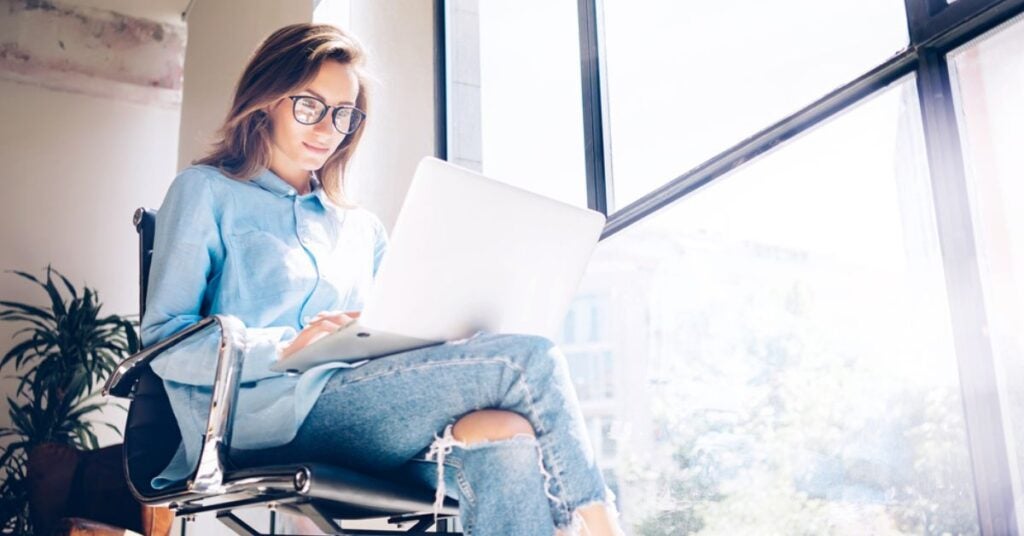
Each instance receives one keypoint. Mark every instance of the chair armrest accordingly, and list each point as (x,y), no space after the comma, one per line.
(122,379)
(209,475)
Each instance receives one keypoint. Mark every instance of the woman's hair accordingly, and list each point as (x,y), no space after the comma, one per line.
(284,63)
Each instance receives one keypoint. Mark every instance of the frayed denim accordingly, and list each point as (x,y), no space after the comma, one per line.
(394,414)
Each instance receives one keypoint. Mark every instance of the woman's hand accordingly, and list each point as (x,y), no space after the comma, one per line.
(323,324)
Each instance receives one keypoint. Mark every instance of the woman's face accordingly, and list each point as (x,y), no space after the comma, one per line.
(297,149)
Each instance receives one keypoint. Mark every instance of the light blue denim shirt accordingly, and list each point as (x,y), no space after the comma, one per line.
(260,252)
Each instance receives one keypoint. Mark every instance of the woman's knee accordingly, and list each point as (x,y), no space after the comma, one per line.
(491,425)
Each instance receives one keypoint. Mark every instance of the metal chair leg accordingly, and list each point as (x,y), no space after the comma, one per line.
(323,522)
(236,524)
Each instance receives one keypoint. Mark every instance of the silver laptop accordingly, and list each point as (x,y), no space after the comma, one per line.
(467,254)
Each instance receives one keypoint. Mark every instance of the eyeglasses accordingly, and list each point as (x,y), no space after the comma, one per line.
(311,110)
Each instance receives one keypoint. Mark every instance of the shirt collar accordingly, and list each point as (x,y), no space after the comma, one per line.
(321,194)
(271,182)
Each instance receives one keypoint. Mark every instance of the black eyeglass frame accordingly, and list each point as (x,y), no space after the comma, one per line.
(357,118)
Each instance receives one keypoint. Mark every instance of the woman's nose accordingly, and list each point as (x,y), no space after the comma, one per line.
(324,127)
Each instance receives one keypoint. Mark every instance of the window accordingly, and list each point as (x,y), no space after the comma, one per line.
(686,80)
(800,362)
(513,92)
(989,77)
(584,342)
(810,287)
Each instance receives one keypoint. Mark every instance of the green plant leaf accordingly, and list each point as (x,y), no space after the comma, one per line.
(79,412)
(13,316)
(25,381)
(61,353)
(56,300)
(14,514)
(22,419)
(70,287)
(12,449)
(26,275)
(34,332)
(114,428)
(28,309)
(94,442)
(20,350)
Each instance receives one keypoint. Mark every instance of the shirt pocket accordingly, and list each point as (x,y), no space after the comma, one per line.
(269,269)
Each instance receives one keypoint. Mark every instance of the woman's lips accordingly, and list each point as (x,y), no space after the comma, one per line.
(315,149)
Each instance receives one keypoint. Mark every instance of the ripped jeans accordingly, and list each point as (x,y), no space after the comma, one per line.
(394,414)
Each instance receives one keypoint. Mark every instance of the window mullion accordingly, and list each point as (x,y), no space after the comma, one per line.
(440,80)
(593,128)
(982,410)
(936,24)
(917,19)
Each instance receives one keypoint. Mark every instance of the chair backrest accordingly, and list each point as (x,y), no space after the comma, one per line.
(145,225)
(151,433)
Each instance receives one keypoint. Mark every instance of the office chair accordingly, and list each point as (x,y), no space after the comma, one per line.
(326,494)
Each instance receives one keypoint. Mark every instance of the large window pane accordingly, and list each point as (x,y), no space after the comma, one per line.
(988,77)
(514,108)
(780,359)
(687,80)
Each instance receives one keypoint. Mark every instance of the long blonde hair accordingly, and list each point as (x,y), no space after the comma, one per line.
(286,62)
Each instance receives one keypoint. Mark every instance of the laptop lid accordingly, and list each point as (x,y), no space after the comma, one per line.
(469,253)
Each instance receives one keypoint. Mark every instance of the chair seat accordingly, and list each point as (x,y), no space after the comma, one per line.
(340,492)
(376,495)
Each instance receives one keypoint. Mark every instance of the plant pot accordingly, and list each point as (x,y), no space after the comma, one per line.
(87,485)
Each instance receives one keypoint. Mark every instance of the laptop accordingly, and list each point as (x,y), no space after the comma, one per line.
(467,254)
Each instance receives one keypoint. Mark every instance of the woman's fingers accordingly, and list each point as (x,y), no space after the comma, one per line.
(336,316)
(319,334)
(320,325)
(313,332)
(319,328)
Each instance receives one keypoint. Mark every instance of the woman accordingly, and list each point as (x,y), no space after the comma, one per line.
(260,229)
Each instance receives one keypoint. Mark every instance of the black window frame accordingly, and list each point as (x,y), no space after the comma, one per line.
(935,28)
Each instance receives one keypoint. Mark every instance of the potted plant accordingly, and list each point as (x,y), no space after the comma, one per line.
(62,354)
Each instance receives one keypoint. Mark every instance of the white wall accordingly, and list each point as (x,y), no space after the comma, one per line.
(74,169)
